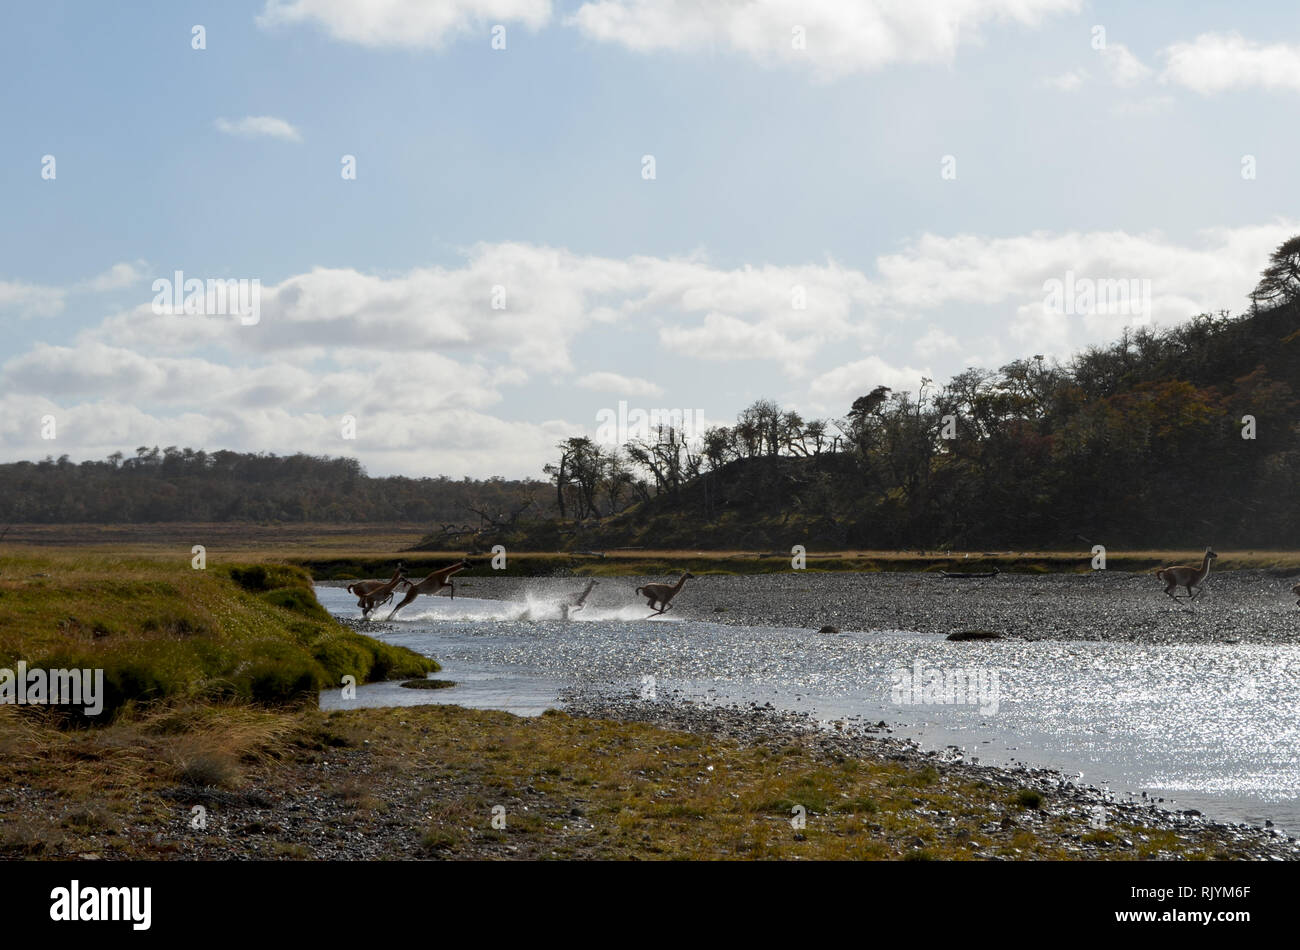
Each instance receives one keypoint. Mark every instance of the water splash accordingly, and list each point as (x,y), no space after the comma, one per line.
(534,607)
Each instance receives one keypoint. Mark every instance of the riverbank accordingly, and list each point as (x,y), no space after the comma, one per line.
(182,630)
(640,781)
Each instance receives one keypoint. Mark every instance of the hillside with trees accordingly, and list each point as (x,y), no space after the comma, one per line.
(1177,437)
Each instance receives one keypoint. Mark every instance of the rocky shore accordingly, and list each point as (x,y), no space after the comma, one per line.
(1093,808)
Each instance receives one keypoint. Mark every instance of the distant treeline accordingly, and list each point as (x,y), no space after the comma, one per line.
(181,484)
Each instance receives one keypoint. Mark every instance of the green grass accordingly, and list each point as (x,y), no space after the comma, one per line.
(163,630)
(423,782)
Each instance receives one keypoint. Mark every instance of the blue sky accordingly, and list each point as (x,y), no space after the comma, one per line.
(775,168)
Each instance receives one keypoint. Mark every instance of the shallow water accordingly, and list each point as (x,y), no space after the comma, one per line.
(1205,726)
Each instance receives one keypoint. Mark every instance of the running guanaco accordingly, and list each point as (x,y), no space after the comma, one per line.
(581,602)
(1186,575)
(372,594)
(432,584)
(663,593)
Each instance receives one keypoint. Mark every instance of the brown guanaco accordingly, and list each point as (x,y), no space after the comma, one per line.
(663,593)
(432,584)
(372,594)
(1186,575)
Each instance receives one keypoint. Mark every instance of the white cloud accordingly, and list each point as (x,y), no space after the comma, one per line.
(424,362)
(1122,66)
(935,341)
(259,126)
(835,389)
(405,23)
(94,369)
(30,300)
(619,384)
(1066,82)
(726,338)
(452,442)
(116,277)
(1219,62)
(1215,271)
(841,38)
(553,296)
(550,297)
(24,299)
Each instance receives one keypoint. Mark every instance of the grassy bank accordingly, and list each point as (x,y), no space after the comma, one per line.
(162,630)
(424,782)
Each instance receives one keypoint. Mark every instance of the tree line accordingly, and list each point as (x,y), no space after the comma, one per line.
(175,484)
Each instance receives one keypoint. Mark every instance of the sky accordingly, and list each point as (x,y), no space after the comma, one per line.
(466,229)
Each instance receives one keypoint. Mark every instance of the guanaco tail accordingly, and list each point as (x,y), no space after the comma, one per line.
(432,584)
(1186,575)
(663,593)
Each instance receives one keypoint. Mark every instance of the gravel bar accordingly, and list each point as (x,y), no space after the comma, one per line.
(1251,606)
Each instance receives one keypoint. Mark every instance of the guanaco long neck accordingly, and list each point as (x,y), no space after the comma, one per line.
(680,581)
(441,574)
(1205,567)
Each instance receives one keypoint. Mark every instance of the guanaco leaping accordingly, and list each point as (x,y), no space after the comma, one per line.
(580,602)
(372,594)
(1186,575)
(432,584)
(663,593)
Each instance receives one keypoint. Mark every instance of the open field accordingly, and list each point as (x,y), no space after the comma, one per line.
(227,539)
(348,552)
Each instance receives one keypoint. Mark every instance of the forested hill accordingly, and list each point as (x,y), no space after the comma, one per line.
(1183,437)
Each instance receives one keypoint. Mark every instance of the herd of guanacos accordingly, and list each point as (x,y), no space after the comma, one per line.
(373,594)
